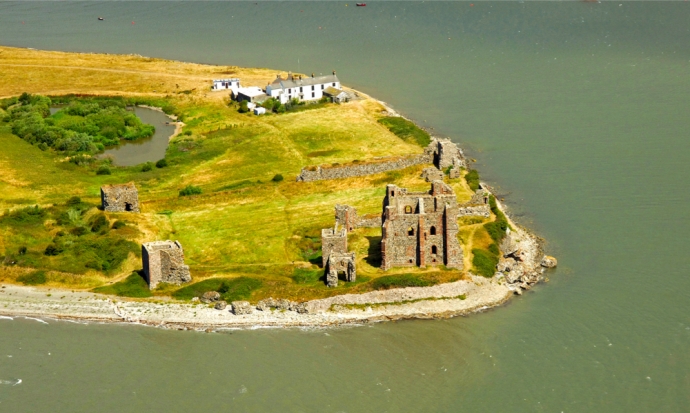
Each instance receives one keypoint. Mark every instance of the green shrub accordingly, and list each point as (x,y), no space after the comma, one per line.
(472,179)
(243,107)
(33,278)
(73,201)
(161,163)
(307,275)
(119,224)
(78,231)
(484,262)
(406,130)
(99,223)
(230,289)
(277,178)
(190,190)
(147,167)
(400,281)
(103,170)
(187,133)
(22,250)
(132,286)
(52,250)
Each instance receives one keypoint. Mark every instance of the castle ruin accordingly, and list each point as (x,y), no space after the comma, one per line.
(334,256)
(420,228)
(120,198)
(163,261)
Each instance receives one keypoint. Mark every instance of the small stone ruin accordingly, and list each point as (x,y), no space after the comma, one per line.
(120,198)
(163,261)
(335,258)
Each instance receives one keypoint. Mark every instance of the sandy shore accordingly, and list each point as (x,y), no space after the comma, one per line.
(439,301)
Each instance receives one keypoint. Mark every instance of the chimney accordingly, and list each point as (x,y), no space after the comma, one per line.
(312,74)
(289,76)
(334,73)
(300,77)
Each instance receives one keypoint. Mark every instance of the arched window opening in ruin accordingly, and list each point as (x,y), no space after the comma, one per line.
(410,231)
(432,230)
(433,249)
(128,206)
(392,193)
(408,209)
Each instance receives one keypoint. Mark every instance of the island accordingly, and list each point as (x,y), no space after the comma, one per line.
(283,199)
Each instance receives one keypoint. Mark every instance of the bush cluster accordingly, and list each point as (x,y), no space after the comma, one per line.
(83,126)
(190,190)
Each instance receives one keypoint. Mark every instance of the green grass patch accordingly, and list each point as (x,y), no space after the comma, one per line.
(406,130)
(400,281)
(33,278)
(472,179)
(484,262)
(307,275)
(497,229)
(237,185)
(132,286)
(327,152)
(230,289)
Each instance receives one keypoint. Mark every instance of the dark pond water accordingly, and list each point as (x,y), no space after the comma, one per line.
(144,150)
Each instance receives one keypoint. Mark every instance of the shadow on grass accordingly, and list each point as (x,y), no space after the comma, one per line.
(374,252)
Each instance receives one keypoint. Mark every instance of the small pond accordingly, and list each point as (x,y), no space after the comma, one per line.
(145,150)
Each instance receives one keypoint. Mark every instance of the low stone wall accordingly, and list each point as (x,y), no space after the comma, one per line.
(369,222)
(479,210)
(349,171)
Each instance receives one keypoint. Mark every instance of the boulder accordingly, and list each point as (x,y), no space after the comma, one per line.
(210,297)
(241,307)
(220,305)
(300,308)
(283,304)
(266,304)
(549,261)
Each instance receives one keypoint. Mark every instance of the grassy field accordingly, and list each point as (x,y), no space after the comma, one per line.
(245,232)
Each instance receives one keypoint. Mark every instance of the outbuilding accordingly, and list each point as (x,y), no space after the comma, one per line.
(259,110)
(336,95)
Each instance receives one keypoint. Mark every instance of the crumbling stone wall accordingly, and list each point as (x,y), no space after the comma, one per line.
(347,217)
(420,228)
(120,198)
(432,174)
(334,255)
(163,261)
(440,152)
(349,171)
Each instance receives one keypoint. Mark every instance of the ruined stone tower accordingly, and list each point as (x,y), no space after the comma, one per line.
(334,255)
(420,228)
(120,198)
(163,261)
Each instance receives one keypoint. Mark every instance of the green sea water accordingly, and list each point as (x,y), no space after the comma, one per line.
(578,113)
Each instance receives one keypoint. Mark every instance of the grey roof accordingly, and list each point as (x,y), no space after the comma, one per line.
(331,91)
(294,81)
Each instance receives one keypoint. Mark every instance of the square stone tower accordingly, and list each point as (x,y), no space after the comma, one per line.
(163,261)
(120,198)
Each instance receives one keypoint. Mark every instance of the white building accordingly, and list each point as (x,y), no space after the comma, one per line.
(306,89)
(259,111)
(226,84)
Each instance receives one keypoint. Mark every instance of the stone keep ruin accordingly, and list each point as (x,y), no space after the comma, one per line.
(120,198)
(163,261)
(334,256)
(420,228)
